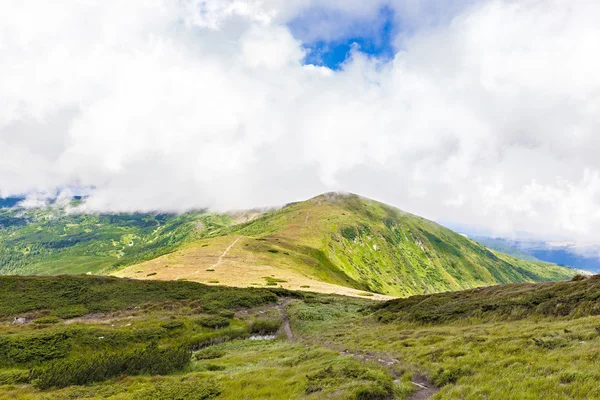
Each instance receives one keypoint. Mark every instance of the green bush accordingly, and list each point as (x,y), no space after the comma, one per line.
(263,326)
(182,391)
(87,368)
(220,336)
(213,321)
(34,348)
(226,314)
(445,376)
(47,320)
(373,391)
(209,353)
(171,325)
(13,376)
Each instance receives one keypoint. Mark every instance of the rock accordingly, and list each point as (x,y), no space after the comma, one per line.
(20,320)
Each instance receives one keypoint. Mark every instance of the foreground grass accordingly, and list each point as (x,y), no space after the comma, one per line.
(523,354)
(180,340)
(124,339)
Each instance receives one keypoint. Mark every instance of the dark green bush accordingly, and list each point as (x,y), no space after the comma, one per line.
(171,325)
(373,391)
(263,326)
(213,321)
(214,367)
(87,368)
(33,349)
(226,314)
(209,353)
(13,376)
(47,320)
(182,391)
(445,376)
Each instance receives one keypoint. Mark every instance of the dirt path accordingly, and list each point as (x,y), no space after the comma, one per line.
(285,327)
(225,252)
(425,388)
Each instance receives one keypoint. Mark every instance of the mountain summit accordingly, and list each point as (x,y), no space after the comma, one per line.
(346,244)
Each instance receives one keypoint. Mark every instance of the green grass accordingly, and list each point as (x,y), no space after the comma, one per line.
(356,242)
(154,340)
(541,341)
(52,241)
(339,239)
(146,340)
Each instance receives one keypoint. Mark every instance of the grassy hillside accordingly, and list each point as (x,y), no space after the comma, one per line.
(95,338)
(517,341)
(348,241)
(53,241)
(332,243)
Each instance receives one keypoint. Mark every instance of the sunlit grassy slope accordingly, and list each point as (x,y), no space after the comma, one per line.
(346,241)
(52,241)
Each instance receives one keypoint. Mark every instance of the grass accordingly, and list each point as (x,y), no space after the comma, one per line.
(186,340)
(53,241)
(519,350)
(347,242)
(155,340)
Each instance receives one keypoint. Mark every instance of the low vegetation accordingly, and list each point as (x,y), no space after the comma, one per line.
(128,339)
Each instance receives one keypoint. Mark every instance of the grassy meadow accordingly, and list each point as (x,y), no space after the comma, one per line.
(107,338)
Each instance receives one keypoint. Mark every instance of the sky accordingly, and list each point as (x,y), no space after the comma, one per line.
(479,113)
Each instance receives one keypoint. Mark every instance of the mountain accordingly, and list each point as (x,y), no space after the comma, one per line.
(53,240)
(333,242)
(584,257)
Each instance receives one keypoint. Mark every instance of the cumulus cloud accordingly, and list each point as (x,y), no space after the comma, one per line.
(487,115)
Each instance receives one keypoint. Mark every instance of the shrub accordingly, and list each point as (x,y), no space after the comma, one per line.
(172,325)
(349,232)
(47,320)
(13,376)
(578,277)
(28,350)
(450,375)
(270,281)
(214,367)
(87,368)
(210,338)
(373,391)
(263,326)
(181,390)
(209,353)
(213,322)
(226,314)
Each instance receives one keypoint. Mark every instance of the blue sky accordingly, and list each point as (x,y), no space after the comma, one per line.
(373,36)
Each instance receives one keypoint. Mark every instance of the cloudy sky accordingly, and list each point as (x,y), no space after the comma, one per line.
(481,113)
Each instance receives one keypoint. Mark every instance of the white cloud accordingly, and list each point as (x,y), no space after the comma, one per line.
(487,118)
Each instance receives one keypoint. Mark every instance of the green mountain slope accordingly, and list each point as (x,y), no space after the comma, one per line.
(53,241)
(385,250)
(326,244)
(349,241)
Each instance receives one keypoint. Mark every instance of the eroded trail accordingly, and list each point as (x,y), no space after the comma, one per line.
(425,388)
(225,252)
